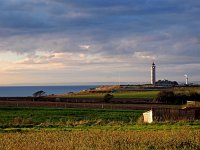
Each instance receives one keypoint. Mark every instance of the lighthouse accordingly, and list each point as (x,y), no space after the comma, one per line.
(153,74)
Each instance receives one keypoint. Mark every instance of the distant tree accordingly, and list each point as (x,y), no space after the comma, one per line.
(39,94)
(107,98)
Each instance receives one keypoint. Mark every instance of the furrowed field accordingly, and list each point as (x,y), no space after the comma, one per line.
(51,128)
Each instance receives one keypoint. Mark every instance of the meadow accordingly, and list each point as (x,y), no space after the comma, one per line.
(27,117)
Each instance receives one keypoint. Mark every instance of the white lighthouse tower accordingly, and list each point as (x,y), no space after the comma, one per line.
(153,74)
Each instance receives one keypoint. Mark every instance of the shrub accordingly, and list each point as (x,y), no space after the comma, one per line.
(194,96)
(170,97)
(107,98)
(165,96)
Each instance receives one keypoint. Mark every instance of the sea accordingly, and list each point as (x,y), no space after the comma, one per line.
(27,90)
(24,91)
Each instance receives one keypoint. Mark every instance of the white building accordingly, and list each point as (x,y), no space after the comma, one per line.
(148,116)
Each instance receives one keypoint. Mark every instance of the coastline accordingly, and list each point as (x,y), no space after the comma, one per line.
(27,91)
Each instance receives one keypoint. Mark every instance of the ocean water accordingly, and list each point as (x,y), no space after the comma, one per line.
(17,91)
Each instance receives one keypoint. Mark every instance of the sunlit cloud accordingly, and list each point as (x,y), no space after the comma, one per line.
(145,55)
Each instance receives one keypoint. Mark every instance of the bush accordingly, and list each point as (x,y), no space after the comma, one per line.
(107,98)
(165,96)
(194,96)
(169,97)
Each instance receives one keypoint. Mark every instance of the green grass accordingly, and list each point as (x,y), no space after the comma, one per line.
(25,119)
(54,116)
(143,94)
(83,95)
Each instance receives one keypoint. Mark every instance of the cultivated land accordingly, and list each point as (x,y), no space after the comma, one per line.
(50,128)
(34,125)
(184,139)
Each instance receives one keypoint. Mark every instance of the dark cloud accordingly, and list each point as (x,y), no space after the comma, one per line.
(134,31)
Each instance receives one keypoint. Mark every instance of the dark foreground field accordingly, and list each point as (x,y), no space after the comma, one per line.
(95,129)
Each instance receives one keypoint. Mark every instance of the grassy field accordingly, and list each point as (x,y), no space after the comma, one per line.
(53,116)
(143,94)
(50,128)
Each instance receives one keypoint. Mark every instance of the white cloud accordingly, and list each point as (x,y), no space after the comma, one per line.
(86,47)
(144,55)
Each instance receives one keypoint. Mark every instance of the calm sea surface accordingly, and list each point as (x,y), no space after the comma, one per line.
(12,91)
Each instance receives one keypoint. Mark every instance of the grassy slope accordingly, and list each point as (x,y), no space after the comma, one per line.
(130,94)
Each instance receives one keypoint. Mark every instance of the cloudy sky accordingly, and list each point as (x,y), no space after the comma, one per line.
(61,41)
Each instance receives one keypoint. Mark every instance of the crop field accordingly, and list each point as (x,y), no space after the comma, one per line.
(185,139)
(95,129)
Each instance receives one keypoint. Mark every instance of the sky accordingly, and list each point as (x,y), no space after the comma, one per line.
(62,41)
